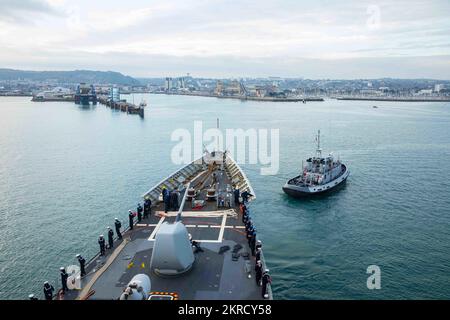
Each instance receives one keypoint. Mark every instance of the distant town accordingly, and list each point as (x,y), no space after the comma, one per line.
(62,85)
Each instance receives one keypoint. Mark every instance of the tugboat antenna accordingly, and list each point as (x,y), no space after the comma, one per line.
(319,151)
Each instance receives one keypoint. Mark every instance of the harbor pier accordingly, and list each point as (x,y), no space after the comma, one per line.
(121,105)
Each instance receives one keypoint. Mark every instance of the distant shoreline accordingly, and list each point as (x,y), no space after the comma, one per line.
(268,99)
(391,99)
(16,95)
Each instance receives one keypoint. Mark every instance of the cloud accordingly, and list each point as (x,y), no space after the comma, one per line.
(144,65)
(13,11)
(194,33)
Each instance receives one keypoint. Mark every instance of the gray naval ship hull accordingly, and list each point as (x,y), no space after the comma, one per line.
(215,274)
(303,191)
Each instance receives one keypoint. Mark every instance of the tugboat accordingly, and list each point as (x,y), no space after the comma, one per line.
(320,175)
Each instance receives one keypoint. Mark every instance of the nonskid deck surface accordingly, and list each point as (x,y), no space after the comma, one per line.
(214,275)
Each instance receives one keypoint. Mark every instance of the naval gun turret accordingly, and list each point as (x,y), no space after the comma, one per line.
(138,288)
(172,251)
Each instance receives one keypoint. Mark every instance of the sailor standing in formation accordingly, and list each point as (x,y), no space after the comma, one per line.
(236,196)
(258,272)
(48,291)
(266,279)
(110,238)
(118,225)
(82,262)
(258,254)
(245,195)
(101,242)
(252,242)
(130,219)
(64,277)
(258,245)
(139,210)
(166,199)
(245,214)
(147,208)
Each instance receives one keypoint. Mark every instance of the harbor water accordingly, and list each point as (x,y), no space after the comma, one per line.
(66,172)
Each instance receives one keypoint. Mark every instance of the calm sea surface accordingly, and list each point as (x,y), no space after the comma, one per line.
(67,172)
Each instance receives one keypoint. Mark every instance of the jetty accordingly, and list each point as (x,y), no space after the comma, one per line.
(121,105)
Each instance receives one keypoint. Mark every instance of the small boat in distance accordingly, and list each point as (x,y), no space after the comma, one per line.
(320,175)
(143,104)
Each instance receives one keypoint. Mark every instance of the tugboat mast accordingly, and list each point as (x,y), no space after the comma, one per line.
(318,151)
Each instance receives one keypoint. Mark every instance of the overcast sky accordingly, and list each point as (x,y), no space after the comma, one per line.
(227,38)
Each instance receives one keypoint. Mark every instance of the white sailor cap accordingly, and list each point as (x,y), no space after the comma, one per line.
(267,270)
(62,268)
(46,282)
(78,255)
(31,296)
(116,218)
(101,236)
(258,242)
(130,211)
(108,227)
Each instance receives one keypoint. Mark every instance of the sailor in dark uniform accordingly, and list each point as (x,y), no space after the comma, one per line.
(139,212)
(250,234)
(258,253)
(147,208)
(64,277)
(245,195)
(236,196)
(252,242)
(130,219)
(101,242)
(166,199)
(118,225)
(82,262)
(258,244)
(48,291)
(174,200)
(266,279)
(248,224)
(110,238)
(258,272)
(245,216)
